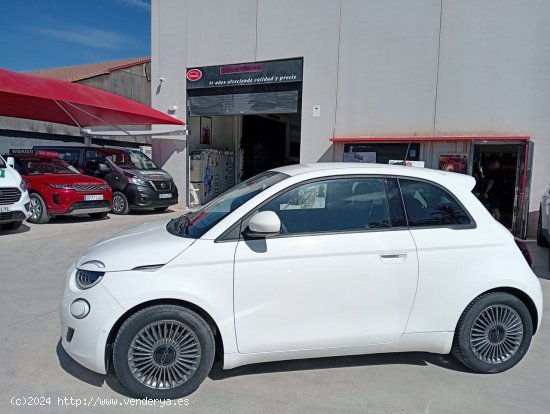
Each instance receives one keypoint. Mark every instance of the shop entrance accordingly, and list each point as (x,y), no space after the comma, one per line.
(502,174)
(243,119)
(269,142)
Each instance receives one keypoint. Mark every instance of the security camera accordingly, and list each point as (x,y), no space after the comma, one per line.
(161,80)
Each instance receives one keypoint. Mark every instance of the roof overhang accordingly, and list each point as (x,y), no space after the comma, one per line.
(430,138)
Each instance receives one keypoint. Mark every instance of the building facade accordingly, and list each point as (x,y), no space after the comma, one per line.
(446,84)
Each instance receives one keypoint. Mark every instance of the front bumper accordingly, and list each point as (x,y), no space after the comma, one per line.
(85,339)
(140,196)
(19,211)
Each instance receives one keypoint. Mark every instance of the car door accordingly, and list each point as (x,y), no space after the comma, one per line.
(342,272)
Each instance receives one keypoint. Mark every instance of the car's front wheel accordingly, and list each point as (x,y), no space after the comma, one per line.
(164,352)
(120,203)
(39,213)
(493,333)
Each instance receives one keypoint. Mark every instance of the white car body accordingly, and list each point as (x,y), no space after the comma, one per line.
(12,208)
(305,296)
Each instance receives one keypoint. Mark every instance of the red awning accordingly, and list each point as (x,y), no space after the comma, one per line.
(433,138)
(41,99)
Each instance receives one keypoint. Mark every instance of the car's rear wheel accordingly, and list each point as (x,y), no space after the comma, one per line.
(101,215)
(163,352)
(120,203)
(39,213)
(494,333)
(541,239)
(12,225)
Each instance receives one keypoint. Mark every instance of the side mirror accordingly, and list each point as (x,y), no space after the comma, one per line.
(11,162)
(262,224)
(103,167)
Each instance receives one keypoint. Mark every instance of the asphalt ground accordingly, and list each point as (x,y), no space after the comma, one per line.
(38,376)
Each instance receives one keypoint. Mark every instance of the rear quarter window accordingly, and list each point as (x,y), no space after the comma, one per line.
(428,205)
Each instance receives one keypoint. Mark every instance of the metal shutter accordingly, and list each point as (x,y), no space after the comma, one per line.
(244,103)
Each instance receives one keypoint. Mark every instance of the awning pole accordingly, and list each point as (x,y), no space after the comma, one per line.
(68,113)
(96,117)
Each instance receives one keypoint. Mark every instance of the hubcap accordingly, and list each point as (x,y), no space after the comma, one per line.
(35,208)
(118,203)
(496,334)
(164,354)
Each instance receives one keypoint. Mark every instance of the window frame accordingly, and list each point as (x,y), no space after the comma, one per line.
(242,223)
(468,226)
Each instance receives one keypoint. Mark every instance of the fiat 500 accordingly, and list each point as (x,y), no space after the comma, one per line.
(304,261)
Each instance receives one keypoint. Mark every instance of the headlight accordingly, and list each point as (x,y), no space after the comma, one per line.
(23,186)
(85,279)
(62,186)
(139,181)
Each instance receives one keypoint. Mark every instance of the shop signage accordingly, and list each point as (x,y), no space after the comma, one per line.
(256,73)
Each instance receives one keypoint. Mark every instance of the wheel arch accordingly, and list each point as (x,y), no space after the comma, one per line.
(521,295)
(218,340)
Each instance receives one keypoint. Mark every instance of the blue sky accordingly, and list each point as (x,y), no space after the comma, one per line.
(40,34)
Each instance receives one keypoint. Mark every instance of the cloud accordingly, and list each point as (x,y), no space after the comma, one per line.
(140,4)
(88,36)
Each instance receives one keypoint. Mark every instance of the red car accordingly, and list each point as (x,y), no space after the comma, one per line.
(56,188)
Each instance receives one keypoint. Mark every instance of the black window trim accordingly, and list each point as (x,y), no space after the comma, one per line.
(468,226)
(224,236)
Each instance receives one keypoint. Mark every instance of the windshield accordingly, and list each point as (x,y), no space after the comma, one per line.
(196,224)
(130,159)
(37,166)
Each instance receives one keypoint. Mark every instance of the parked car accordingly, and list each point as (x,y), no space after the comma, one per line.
(58,189)
(136,181)
(14,197)
(543,235)
(304,261)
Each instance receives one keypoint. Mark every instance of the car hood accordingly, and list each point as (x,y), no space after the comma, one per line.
(150,174)
(68,179)
(9,177)
(145,245)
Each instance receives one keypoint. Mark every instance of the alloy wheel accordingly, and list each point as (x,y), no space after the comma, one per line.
(496,334)
(35,209)
(164,355)
(118,203)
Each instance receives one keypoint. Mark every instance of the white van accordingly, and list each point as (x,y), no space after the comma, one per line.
(14,197)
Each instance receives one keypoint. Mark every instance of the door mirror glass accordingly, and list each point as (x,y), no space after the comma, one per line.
(264,223)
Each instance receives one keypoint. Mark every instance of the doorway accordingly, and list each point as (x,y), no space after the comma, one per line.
(269,142)
(502,173)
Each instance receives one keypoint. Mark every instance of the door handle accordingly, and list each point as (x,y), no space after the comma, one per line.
(393,258)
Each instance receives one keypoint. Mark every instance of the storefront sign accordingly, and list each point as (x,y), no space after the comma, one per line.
(257,73)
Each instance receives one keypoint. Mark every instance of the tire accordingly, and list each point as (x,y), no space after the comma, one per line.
(120,204)
(39,213)
(474,348)
(161,209)
(541,240)
(11,225)
(99,215)
(192,332)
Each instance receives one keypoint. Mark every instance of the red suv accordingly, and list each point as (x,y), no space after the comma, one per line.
(56,188)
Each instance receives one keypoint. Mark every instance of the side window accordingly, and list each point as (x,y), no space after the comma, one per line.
(70,156)
(428,205)
(350,204)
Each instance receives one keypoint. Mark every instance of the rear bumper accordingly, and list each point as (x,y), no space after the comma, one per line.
(141,197)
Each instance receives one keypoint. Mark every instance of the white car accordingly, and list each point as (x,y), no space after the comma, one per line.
(298,262)
(14,197)
(543,234)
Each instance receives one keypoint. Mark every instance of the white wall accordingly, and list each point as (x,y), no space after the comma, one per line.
(376,67)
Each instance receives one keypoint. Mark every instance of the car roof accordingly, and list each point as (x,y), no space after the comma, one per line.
(335,168)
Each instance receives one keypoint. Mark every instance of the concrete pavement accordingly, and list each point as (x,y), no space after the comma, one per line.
(33,263)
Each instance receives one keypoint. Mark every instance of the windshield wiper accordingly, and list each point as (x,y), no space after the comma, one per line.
(178,226)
